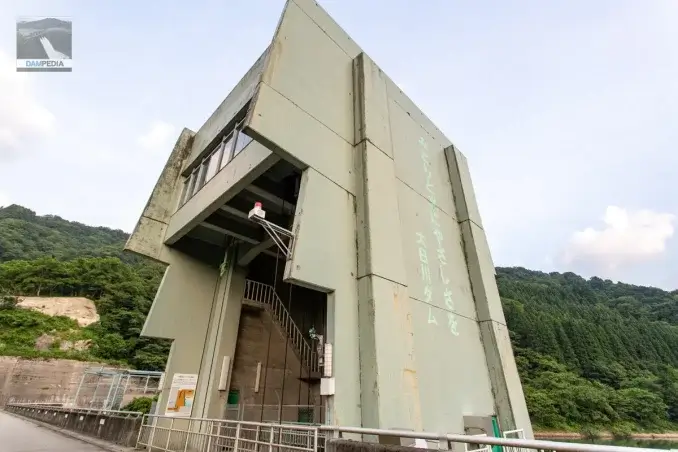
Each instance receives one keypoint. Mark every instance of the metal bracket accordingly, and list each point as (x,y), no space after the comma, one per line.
(277,233)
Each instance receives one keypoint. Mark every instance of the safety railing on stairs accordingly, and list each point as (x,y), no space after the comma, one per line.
(264,294)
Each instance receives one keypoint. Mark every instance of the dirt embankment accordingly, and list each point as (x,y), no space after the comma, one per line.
(80,309)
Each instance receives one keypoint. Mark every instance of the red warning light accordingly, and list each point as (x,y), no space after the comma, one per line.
(257,205)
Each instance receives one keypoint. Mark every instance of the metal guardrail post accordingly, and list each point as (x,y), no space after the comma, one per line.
(270,439)
(237,437)
(209,436)
(152,434)
(141,428)
(169,434)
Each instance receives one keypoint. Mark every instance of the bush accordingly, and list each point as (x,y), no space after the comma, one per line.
(590,433)
(623,430)
(141,404)
(8,302)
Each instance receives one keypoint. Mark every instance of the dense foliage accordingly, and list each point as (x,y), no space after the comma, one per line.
(140,404)
(39,256)
(592,354)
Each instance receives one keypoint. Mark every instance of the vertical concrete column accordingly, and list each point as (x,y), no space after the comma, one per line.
(223,342)
(506,387)
(181,311)
(389,384)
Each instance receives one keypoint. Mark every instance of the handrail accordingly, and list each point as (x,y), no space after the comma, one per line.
(63,409)
(265,294)
(330,431)
(486,440)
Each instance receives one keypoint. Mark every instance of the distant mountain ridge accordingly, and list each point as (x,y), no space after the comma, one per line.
(26,235)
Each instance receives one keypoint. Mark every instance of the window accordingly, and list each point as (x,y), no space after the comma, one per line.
(242,141)
(201,170)
(191,185)
(228,148)
(212,164)
(182,199)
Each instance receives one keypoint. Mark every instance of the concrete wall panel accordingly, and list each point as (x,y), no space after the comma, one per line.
(371,105)
(508,390)
(307,67)
(329,26)
(481,272)
(252,161)
(379,231)
(233,103)
(398,96)
(181,311)
(462,187)
(416,218)
(148,235)
(317,146)
(183,301)
(390,381)
(410,141)
(453,377)
(324,257)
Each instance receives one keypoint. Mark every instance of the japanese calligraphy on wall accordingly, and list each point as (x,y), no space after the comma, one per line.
(438,262)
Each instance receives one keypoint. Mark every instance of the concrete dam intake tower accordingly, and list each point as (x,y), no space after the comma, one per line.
(326,259)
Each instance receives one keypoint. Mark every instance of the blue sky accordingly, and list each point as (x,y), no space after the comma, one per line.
(566,111)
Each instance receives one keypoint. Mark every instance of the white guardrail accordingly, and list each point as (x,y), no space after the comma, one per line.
(170,434)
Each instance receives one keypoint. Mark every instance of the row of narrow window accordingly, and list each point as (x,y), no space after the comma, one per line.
(231,145)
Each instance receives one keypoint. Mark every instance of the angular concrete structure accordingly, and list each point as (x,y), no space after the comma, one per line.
(379,307)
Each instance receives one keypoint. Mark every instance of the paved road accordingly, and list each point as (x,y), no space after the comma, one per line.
(17,435)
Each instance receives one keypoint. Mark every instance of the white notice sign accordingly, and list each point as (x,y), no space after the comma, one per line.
(182,393)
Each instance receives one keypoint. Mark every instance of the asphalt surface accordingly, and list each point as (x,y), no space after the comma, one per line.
(17,435)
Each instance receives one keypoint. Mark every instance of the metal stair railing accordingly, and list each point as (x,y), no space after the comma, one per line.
(264,294)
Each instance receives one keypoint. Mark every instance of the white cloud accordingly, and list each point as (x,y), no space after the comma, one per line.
(158,138)
(22,117)
(627,238)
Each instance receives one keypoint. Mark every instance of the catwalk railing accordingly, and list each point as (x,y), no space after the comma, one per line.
(265,295)
(168,434)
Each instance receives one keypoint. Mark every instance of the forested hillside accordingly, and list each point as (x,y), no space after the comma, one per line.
(592,354)
(49,256)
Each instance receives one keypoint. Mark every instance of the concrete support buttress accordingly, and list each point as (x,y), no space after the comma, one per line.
(389,383)
(181,311)
(506,387)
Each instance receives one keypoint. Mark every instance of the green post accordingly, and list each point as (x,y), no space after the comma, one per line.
(497,433)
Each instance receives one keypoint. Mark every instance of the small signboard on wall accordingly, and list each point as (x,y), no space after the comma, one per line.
(181,395)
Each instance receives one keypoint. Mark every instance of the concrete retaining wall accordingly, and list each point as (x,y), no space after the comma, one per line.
(116,427)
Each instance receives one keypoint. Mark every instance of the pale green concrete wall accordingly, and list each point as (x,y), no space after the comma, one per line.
(382,209)
(386,223)
(181,311)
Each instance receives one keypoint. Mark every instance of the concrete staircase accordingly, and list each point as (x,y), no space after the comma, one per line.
(264,296)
